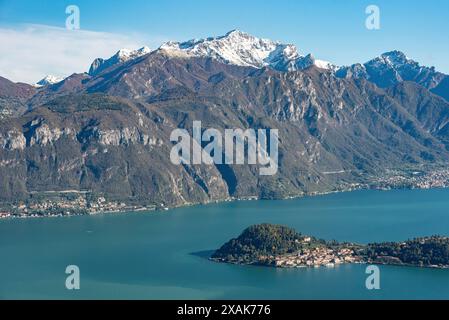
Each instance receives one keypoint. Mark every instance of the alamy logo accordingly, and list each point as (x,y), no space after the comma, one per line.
(72,282)
(260,146)
(73,20)
(372,22)
(373,280)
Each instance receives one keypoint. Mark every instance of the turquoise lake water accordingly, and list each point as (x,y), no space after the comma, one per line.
(152,255)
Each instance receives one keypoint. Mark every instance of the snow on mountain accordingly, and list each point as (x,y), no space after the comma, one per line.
(126,54)
(394,59)
(236,47)
(121,56)
(243,49)
(325,65)
(48,80)
(391,68)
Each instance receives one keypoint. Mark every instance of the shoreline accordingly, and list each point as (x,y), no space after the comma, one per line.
(445,267)
(154,209)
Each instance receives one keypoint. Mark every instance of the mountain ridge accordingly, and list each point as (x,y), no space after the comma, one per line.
(242,49)
(109,133)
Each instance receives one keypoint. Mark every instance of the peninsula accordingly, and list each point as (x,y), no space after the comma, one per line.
(283,247)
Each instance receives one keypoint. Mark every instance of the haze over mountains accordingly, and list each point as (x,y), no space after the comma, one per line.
(107,131)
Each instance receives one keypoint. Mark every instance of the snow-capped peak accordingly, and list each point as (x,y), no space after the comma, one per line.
(322,64)
(391,68)
(395,56)
(127,54)
(121,56)
(48,80)
(392,59)
(240,48)
(235,47)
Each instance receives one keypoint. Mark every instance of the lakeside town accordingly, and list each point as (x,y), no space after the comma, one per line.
(317,257)
(311,254)
(72,203)
(413,179)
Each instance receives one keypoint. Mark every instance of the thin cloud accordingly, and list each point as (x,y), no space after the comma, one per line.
(30,52)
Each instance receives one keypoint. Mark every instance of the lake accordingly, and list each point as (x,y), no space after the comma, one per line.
(156,255)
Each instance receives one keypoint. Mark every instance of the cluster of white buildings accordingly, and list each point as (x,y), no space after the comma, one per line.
(317,257)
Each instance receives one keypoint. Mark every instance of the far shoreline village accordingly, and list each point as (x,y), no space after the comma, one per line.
(82,203)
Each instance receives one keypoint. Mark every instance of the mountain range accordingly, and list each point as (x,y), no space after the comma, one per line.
(107,130)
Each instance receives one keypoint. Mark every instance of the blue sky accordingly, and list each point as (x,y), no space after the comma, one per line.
(332,30)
